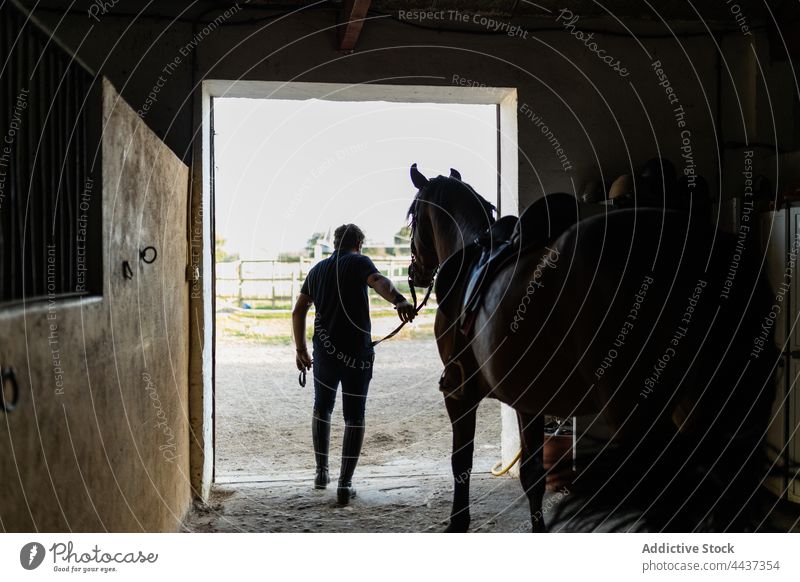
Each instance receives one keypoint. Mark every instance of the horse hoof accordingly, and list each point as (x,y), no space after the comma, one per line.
(539,527)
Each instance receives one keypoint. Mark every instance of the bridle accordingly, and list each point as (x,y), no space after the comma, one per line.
(417,308)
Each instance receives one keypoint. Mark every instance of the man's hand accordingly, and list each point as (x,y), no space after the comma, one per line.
(303,360)
(385,288)
(405,311)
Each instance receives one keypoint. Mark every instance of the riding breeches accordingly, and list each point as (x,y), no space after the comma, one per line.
(354,377)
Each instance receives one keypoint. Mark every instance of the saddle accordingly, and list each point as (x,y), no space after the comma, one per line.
(464,277)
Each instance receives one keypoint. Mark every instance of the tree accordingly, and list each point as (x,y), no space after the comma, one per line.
(220,254)
(312,242)
(403,236)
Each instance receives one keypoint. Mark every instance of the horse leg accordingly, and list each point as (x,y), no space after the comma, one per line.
(462,419)
(531,466)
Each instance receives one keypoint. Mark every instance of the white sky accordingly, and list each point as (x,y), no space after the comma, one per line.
(286,169)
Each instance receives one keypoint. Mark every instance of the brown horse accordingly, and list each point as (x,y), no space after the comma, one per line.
(645,316)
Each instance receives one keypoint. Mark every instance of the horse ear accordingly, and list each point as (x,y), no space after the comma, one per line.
(455,174)
(417,178)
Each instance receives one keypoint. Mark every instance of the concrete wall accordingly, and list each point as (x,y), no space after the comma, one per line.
(108,448)
(601,119)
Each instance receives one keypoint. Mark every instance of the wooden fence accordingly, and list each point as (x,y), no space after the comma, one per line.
(275,284)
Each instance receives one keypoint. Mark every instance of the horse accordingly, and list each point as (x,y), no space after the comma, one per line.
(645,316)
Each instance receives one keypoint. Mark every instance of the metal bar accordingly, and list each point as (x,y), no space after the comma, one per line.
(68,221)
(58,119)
(499,147)
(22,172)
(6,201)
(47,159)
(15,238)
(47,165)
(787,382)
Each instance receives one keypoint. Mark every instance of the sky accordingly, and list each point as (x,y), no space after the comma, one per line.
(287,169)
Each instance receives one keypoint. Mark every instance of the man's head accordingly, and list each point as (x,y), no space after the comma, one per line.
(348,237)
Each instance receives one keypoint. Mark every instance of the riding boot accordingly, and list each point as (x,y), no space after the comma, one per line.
(321,435)
(351,449)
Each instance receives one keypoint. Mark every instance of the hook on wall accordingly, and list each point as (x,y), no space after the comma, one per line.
(9,376)
(148,254)
(127,272)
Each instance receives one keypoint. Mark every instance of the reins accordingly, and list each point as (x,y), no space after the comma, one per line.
(417,308)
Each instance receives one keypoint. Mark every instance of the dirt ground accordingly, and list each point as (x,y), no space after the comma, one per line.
(263,417)
(264,463)
(392,503)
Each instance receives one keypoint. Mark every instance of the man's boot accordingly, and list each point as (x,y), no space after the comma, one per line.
(321,435)
(351,449)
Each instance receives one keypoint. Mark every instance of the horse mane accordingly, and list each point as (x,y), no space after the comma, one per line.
(446,191)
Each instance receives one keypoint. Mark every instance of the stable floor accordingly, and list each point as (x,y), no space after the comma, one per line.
(386,502)
(265,464)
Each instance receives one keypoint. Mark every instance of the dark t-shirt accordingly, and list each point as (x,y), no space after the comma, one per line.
(338,287)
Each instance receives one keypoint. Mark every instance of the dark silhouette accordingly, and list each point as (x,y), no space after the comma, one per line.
(642,315)
(342,346)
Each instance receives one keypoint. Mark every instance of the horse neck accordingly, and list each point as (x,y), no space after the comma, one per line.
(455,229)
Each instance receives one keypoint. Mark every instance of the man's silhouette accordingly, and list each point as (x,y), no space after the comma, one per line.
(342,343)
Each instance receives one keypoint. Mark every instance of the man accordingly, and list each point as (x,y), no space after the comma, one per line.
(343,351)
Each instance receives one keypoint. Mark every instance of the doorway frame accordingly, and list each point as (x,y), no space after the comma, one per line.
(202,329)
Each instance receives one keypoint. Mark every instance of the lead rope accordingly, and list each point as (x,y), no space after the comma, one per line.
(301,379)
(417,308)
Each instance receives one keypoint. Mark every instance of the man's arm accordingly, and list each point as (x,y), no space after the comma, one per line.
(302,358)
(385,288)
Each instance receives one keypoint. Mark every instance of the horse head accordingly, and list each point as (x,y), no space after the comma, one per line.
(424,260)
(446,214)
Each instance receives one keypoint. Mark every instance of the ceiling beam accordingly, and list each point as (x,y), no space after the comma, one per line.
(352,21)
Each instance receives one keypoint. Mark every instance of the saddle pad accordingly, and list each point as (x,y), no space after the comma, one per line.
(464,275)
(452,278)
(542,221)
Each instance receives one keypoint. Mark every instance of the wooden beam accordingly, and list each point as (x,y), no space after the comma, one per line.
(352,20)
